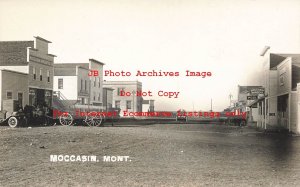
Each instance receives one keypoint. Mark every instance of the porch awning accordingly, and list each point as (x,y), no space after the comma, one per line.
(255,101)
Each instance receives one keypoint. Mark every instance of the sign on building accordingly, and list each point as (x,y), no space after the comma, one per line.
(254,97)
(256,91)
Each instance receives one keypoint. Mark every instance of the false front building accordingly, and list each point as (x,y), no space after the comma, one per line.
(73,82)
(280,106)
(27,72)
(130,103)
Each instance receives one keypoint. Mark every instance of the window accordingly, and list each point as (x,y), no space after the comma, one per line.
(60,84)
(99,82)
(8,95)
(99,97)
(32,96)
(119,91)
(128,104)
(94,96)
(81,84)
(94,81)
(34,73)
(117,104)
(48,75)
(281,79)
(85,85)
(41,76)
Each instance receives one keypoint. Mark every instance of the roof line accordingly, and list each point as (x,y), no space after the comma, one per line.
(52,55)
(40,38)
(93,60)
(266,48)
(13,71)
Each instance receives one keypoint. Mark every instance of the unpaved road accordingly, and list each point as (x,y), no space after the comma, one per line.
(161,155)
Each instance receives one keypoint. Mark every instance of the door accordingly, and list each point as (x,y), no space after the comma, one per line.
(40,96)
(20,99)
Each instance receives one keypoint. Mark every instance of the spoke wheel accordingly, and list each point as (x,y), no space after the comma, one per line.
(13,122)
(93,119)
(89,120)
(66,119)
(98,120)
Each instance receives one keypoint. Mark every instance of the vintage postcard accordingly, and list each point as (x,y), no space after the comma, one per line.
(150,93)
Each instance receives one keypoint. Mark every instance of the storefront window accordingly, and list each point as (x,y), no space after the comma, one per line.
(48,98)
(32,97)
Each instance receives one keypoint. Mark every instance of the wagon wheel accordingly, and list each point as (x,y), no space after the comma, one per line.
(66,119)
(13,122)
(98,120)
(89,120)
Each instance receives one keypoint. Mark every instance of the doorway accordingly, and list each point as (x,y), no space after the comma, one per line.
(40,96)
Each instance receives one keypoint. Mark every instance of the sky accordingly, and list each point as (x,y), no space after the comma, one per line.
(224,37)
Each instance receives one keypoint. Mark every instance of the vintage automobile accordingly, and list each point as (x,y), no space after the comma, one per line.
(22,117)
(13,114)
(17,118)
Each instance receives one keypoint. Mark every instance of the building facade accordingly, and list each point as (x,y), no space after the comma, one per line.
(246,95)
(148,105)
(75,82)
(13,87)
(107,98)
(33,59)
(279,108)
(40,80)
(131,102)
(96,82)
(72,81)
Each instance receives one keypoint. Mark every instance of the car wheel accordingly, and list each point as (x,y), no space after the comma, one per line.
(13,122)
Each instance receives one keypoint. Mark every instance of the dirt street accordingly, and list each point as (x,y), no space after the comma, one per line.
(159,155)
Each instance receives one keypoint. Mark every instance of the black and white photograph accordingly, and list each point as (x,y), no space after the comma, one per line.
(150,93)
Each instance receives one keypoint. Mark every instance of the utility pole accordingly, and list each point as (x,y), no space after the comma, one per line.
(230,96)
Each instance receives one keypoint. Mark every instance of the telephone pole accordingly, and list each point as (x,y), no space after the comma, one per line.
(230,96)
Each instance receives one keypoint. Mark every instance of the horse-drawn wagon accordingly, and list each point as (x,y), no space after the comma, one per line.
(63,111)
(70,112)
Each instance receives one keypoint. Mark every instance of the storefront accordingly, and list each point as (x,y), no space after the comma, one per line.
(40,97)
